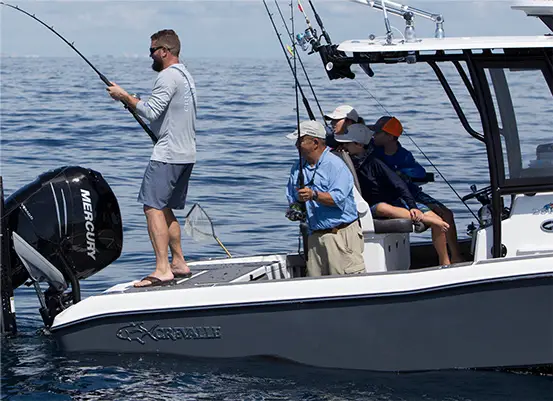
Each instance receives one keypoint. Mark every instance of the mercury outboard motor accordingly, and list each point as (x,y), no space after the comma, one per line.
(64,226)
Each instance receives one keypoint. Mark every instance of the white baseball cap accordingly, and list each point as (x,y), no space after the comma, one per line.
(343,111)
(311,128)
(359,133)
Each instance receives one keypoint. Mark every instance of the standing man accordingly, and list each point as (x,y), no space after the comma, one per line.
(335,242)
(171,110)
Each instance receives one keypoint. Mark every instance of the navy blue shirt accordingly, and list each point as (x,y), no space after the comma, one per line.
(402,162)
(379,183)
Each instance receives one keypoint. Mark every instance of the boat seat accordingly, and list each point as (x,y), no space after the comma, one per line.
(386,241)
(388,226)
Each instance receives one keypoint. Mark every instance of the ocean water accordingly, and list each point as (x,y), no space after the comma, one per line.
(55,112)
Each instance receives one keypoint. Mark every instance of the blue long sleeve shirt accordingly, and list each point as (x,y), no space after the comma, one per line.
(330,174)
(404,162)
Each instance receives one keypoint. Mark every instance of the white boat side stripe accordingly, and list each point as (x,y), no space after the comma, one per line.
(285,290)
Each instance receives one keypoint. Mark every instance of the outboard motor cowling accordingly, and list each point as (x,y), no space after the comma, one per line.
(65,226)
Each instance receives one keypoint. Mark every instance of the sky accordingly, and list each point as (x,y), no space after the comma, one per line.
(231,28)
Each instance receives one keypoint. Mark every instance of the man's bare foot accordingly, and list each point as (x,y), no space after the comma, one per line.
(155,279)
(180,268)
(443,226)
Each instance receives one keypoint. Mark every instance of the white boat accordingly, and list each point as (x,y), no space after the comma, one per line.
(404,314)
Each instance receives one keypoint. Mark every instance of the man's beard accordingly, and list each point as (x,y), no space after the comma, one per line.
(157,65)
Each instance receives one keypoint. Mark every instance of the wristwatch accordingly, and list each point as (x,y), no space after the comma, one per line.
(315,195)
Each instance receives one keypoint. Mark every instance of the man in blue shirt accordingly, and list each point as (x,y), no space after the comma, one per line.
(335,242)
(387,131)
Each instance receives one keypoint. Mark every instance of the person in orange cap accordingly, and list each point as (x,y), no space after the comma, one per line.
(387,131)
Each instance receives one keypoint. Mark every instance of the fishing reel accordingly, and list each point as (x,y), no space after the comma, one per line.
(296,212)
(308,37)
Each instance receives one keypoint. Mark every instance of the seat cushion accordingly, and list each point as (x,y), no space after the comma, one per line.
(385,226)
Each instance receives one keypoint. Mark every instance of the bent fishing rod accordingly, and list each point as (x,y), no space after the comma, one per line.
(304,99)
(291,36)
(102,76)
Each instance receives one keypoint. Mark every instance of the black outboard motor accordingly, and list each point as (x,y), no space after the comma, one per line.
(64,226)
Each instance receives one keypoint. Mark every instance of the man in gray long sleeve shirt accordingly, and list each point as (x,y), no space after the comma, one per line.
(171,110)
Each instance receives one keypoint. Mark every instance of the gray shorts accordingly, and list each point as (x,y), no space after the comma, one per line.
(165,185)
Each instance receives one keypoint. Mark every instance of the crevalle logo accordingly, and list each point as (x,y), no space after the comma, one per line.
(140,333)
(547,226)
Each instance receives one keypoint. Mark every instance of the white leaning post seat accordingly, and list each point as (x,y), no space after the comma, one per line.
(386,241)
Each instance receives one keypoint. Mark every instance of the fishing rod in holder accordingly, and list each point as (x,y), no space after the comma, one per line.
(291,36)
(408,13)
(304,99)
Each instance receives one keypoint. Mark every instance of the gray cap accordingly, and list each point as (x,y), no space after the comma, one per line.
(311,128)
(359,133)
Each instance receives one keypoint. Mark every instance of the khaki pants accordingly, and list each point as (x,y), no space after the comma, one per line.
(340,253)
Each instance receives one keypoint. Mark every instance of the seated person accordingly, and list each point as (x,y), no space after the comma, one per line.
(384,190)
(387,131)
(340,119)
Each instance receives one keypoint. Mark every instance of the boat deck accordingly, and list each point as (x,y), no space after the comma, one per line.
(208,275)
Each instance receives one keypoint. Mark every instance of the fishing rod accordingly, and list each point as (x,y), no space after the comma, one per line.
(301,178)
(320,23)
(304,99)
(419,149)
(291,35)
(304,228)
(310,28)
(102,76)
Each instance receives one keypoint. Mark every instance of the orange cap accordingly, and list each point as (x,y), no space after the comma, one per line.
(388,124)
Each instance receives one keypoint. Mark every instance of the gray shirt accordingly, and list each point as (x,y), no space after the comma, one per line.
(171,110)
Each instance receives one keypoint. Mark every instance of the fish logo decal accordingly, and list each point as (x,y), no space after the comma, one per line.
(139,333)
(136,332)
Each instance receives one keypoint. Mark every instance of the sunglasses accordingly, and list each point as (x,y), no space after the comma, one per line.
(155,49)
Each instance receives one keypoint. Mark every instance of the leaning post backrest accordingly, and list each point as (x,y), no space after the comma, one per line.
(363,209)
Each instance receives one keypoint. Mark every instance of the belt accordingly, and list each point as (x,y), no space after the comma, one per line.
(334,230)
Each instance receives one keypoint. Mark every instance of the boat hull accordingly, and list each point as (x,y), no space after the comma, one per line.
(498,323)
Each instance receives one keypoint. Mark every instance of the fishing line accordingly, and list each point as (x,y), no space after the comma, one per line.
(419,149)
(102,76)
(320,23)
(304,99)
(291,36)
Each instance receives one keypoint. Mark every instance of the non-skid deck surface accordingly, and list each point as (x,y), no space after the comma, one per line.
(206,275)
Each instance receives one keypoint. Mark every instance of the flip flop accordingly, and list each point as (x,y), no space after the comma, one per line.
(154,282)
(183,275)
